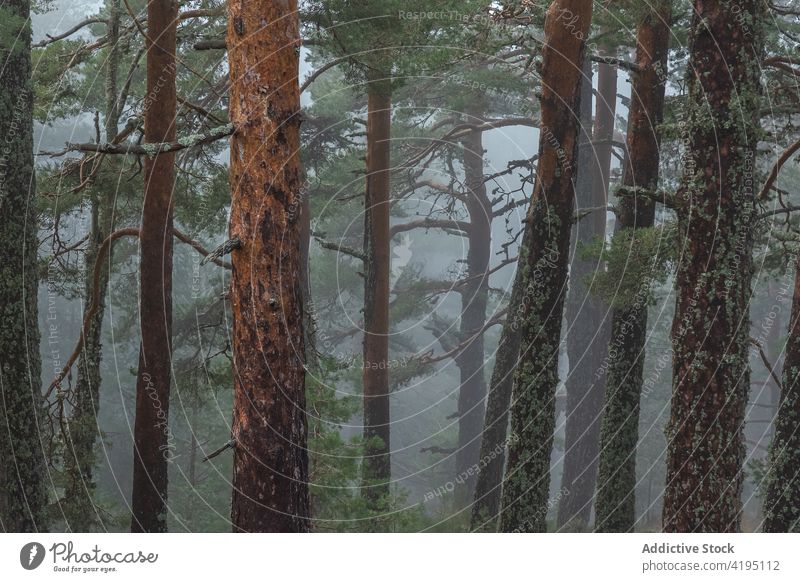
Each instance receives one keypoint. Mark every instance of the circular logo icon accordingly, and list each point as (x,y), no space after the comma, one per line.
(31,555)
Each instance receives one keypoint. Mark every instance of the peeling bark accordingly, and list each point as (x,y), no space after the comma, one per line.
(270,459)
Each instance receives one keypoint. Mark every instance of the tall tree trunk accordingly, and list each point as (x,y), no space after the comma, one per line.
(492,458)
(23,492)
(716,212)
(549,220)
(270,464)
(151,427)
(377,460)
(79,509)
(474,298)
(616,482)
(782,499)
(587,335)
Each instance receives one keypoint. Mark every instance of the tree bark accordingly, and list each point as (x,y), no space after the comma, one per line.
(549,220)
(492,457)
(23,481)
(586,313)
(151,427)
(79,508)
(377,459)
(474,299)
(616,482)
(716,213)
(270,464)
(782,499)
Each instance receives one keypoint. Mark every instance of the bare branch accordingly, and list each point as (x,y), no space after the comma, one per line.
(148,149)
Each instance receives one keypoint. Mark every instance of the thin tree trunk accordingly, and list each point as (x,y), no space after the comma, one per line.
(616,483)
(23,481)
(716,212)
(377,460)
(586,322)
(474,298)
(79,509)
(270,464)
(782,499)
(492,458)
(550,218)
(151,427)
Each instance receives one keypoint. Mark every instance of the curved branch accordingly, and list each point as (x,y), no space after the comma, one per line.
(326,67)
(51,39)
(102,251)
(773,175)
(148,149)
(430,223)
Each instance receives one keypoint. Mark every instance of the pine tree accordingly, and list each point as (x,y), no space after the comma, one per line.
(616,481)
(269,432)
(151,428)
(710,333)
(549,222)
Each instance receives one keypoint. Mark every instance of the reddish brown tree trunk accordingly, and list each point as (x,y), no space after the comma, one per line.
(716,212)
(544,270)
(270,465)
(377,460)
(151,429)
(616,482)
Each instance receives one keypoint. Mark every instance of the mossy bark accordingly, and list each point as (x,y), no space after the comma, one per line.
(782,499)
(152,445)
(716,212)
(492,457)
(270,431)
(549,221)
(23,480)
(616,481)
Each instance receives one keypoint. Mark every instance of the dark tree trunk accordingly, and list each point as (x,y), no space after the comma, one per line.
(716,212)
(270,465)
(782,499)
(23,481)
(377,459)
(492,457)
(549,220)
(616,482)
(474,298)
(587,335)
(151,428)
(79,509)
